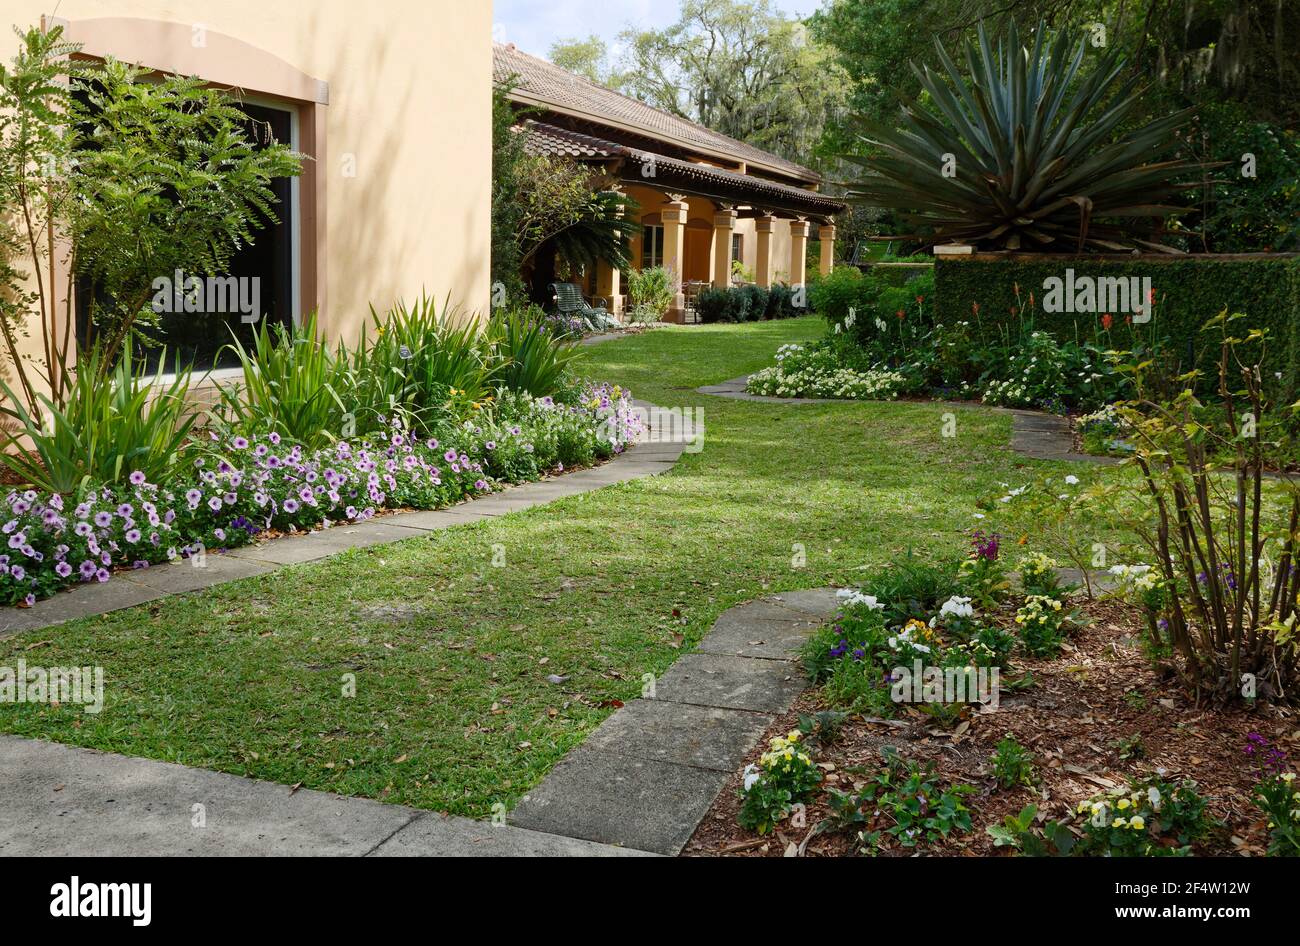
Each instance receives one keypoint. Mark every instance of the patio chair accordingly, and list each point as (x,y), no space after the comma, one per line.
(569,302)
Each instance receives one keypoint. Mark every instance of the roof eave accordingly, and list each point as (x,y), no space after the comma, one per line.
(524,97)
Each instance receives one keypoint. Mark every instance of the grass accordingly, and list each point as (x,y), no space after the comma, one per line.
(453,709)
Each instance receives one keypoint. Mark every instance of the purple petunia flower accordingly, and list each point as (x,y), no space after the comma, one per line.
(63,569)
(137,478)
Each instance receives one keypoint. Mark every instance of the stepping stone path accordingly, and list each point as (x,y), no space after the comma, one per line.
(1034,434)
(650,772)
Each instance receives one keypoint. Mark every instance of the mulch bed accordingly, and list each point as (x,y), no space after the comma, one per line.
(1099,692)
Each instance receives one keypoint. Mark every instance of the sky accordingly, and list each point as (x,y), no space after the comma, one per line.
(533,25)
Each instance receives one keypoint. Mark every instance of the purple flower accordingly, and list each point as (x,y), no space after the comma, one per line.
(63,569)
(133,536)
(17,572)
(125,510)
(193,496)
(137,478)
(101,575)
(291,506)
(215,503)
(87,569)
(239,443)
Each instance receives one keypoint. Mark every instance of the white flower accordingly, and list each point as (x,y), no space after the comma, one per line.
(751,776)
(957,606)
(1071,480)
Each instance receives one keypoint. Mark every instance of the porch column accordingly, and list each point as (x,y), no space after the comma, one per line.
(826,234)
(607,286)
(798,251)
(674,221)
(607,276)
(763,268)
(724,225)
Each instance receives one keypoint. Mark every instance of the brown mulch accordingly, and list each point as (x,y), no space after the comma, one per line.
(1099,692)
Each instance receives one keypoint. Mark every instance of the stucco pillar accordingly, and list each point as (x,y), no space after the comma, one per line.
(724,226)
(763,267)
(607,278)
(826,234)
(607,286)
(673,216)
(798,251)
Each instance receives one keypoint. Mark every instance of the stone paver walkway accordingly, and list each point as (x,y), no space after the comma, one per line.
(639,785)
(62,801)
(130,588)
(650,772)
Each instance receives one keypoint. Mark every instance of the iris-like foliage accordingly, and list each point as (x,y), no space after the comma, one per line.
(1029,150)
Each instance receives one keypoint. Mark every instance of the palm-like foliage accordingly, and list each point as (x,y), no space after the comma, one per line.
(1042,158)
(113,422)
(600,230)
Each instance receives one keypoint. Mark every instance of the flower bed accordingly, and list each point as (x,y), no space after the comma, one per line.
(241,487)
(801,372)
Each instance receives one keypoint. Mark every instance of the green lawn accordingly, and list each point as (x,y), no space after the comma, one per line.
(453,710)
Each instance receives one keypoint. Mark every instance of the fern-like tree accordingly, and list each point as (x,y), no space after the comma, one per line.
(113,178)
(1030,149)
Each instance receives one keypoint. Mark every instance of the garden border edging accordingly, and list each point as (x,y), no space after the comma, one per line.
(127,589)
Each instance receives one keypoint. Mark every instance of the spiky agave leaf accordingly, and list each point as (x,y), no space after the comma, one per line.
(1038,157)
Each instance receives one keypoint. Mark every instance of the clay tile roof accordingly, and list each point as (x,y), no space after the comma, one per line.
(543,83)
(549,139)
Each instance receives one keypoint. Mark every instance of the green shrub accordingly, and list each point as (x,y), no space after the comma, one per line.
(1013,764)
(780,302)
(909,588)
(714,305)
(113,423)
(755,302)
(1189,290)
(291,384)
(844,288)
(428,366)
(650,291)
(527,356)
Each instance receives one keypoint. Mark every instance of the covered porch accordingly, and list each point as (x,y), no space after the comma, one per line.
(708,225)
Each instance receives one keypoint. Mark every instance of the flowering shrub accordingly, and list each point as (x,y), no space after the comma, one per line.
(815,372)
(1103,432)
(240,486)
(1277,795)
(1039,575)
(1150,818)
(784,776)
(1043,372)
(982,574)
(1042,622)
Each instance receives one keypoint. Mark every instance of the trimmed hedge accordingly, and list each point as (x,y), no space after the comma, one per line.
(745,303)
(1189,291)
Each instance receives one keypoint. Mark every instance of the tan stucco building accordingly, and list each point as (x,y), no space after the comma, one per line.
(705,200)
(391,104)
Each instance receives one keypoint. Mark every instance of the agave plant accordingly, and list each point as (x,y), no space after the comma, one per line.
(1029,152)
